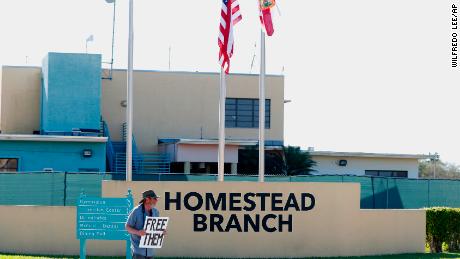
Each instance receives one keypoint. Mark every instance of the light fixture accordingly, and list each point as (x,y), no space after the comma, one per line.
(342,162)
(87,153)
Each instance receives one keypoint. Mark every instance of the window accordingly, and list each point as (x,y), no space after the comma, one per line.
(386,173)
(244,113)
(8,164)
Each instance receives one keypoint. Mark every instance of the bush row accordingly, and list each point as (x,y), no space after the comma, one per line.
(443,226)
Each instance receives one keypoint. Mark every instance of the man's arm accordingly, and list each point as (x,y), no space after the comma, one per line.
(134,231)
(132,222)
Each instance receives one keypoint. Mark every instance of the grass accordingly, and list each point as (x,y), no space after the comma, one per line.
(403,256)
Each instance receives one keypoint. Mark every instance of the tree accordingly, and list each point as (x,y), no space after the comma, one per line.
(287,161)
(444,170)
(248,162)
(298,162)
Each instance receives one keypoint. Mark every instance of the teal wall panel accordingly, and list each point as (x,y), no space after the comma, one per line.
(59,189)
(71,92)
(444,193)
(60,156)
(32,189)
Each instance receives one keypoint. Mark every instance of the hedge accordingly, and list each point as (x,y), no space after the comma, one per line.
(443,226)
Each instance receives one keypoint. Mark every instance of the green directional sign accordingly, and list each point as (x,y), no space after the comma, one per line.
(103,219)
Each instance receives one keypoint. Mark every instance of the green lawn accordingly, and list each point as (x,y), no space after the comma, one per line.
(404,256)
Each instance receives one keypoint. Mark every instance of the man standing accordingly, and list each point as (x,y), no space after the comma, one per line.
(135,224)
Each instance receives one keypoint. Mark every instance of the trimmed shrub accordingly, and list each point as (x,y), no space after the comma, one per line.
(443,226)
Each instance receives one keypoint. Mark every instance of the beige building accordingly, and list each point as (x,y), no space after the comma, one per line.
(174,112)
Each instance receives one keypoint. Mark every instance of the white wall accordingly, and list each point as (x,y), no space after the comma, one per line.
(358,165)
(205,153)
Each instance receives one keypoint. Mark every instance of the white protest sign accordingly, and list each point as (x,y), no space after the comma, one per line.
(154,228)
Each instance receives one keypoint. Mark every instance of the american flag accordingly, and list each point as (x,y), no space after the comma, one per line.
(230,15)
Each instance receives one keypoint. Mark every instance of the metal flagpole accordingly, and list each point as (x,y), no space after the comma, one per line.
(221,158)
(262,108)
(129,106)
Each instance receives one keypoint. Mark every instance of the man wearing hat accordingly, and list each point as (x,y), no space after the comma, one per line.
(135,223)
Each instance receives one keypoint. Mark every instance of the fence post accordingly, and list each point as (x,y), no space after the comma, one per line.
(373,192)
(65,188)
(429,202)
(387,194)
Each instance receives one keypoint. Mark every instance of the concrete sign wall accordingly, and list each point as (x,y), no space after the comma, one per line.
(242,219)
(233,219)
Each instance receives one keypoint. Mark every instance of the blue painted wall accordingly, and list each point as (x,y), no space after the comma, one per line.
(71,92)
(61,156)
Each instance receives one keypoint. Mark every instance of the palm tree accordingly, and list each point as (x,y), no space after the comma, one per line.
(298,162)
(287,161)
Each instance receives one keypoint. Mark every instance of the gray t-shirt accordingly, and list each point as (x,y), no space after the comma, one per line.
(136,220)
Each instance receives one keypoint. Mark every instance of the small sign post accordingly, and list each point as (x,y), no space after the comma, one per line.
(103,219)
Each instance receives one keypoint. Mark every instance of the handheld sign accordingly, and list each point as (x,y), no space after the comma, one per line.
(154,228)
(103,219)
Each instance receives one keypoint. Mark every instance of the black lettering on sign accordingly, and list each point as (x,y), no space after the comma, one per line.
(255,224)
(199,201)
(148,223)
(262,196)
(155,224)
(153,239)
(309,196)
(199,223)
(235,201)
(162,226)
(169,200)
(265,225)
(287,222)
(158,238)
(277,199)
(291,203)
(249,200)
(216,221)
(220,202)
(233,223)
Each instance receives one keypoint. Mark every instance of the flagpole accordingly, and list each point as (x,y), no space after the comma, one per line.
(222,96)
(129,93)
(262,108)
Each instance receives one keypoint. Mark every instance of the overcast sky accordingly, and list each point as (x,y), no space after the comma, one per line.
(363,75)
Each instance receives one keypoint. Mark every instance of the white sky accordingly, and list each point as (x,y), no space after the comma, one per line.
(371,76)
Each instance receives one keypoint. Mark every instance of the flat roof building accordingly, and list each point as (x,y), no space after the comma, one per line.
(370,164)
(175,129)
(175,113)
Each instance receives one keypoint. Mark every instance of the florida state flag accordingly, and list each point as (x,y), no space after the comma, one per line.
(266,16)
